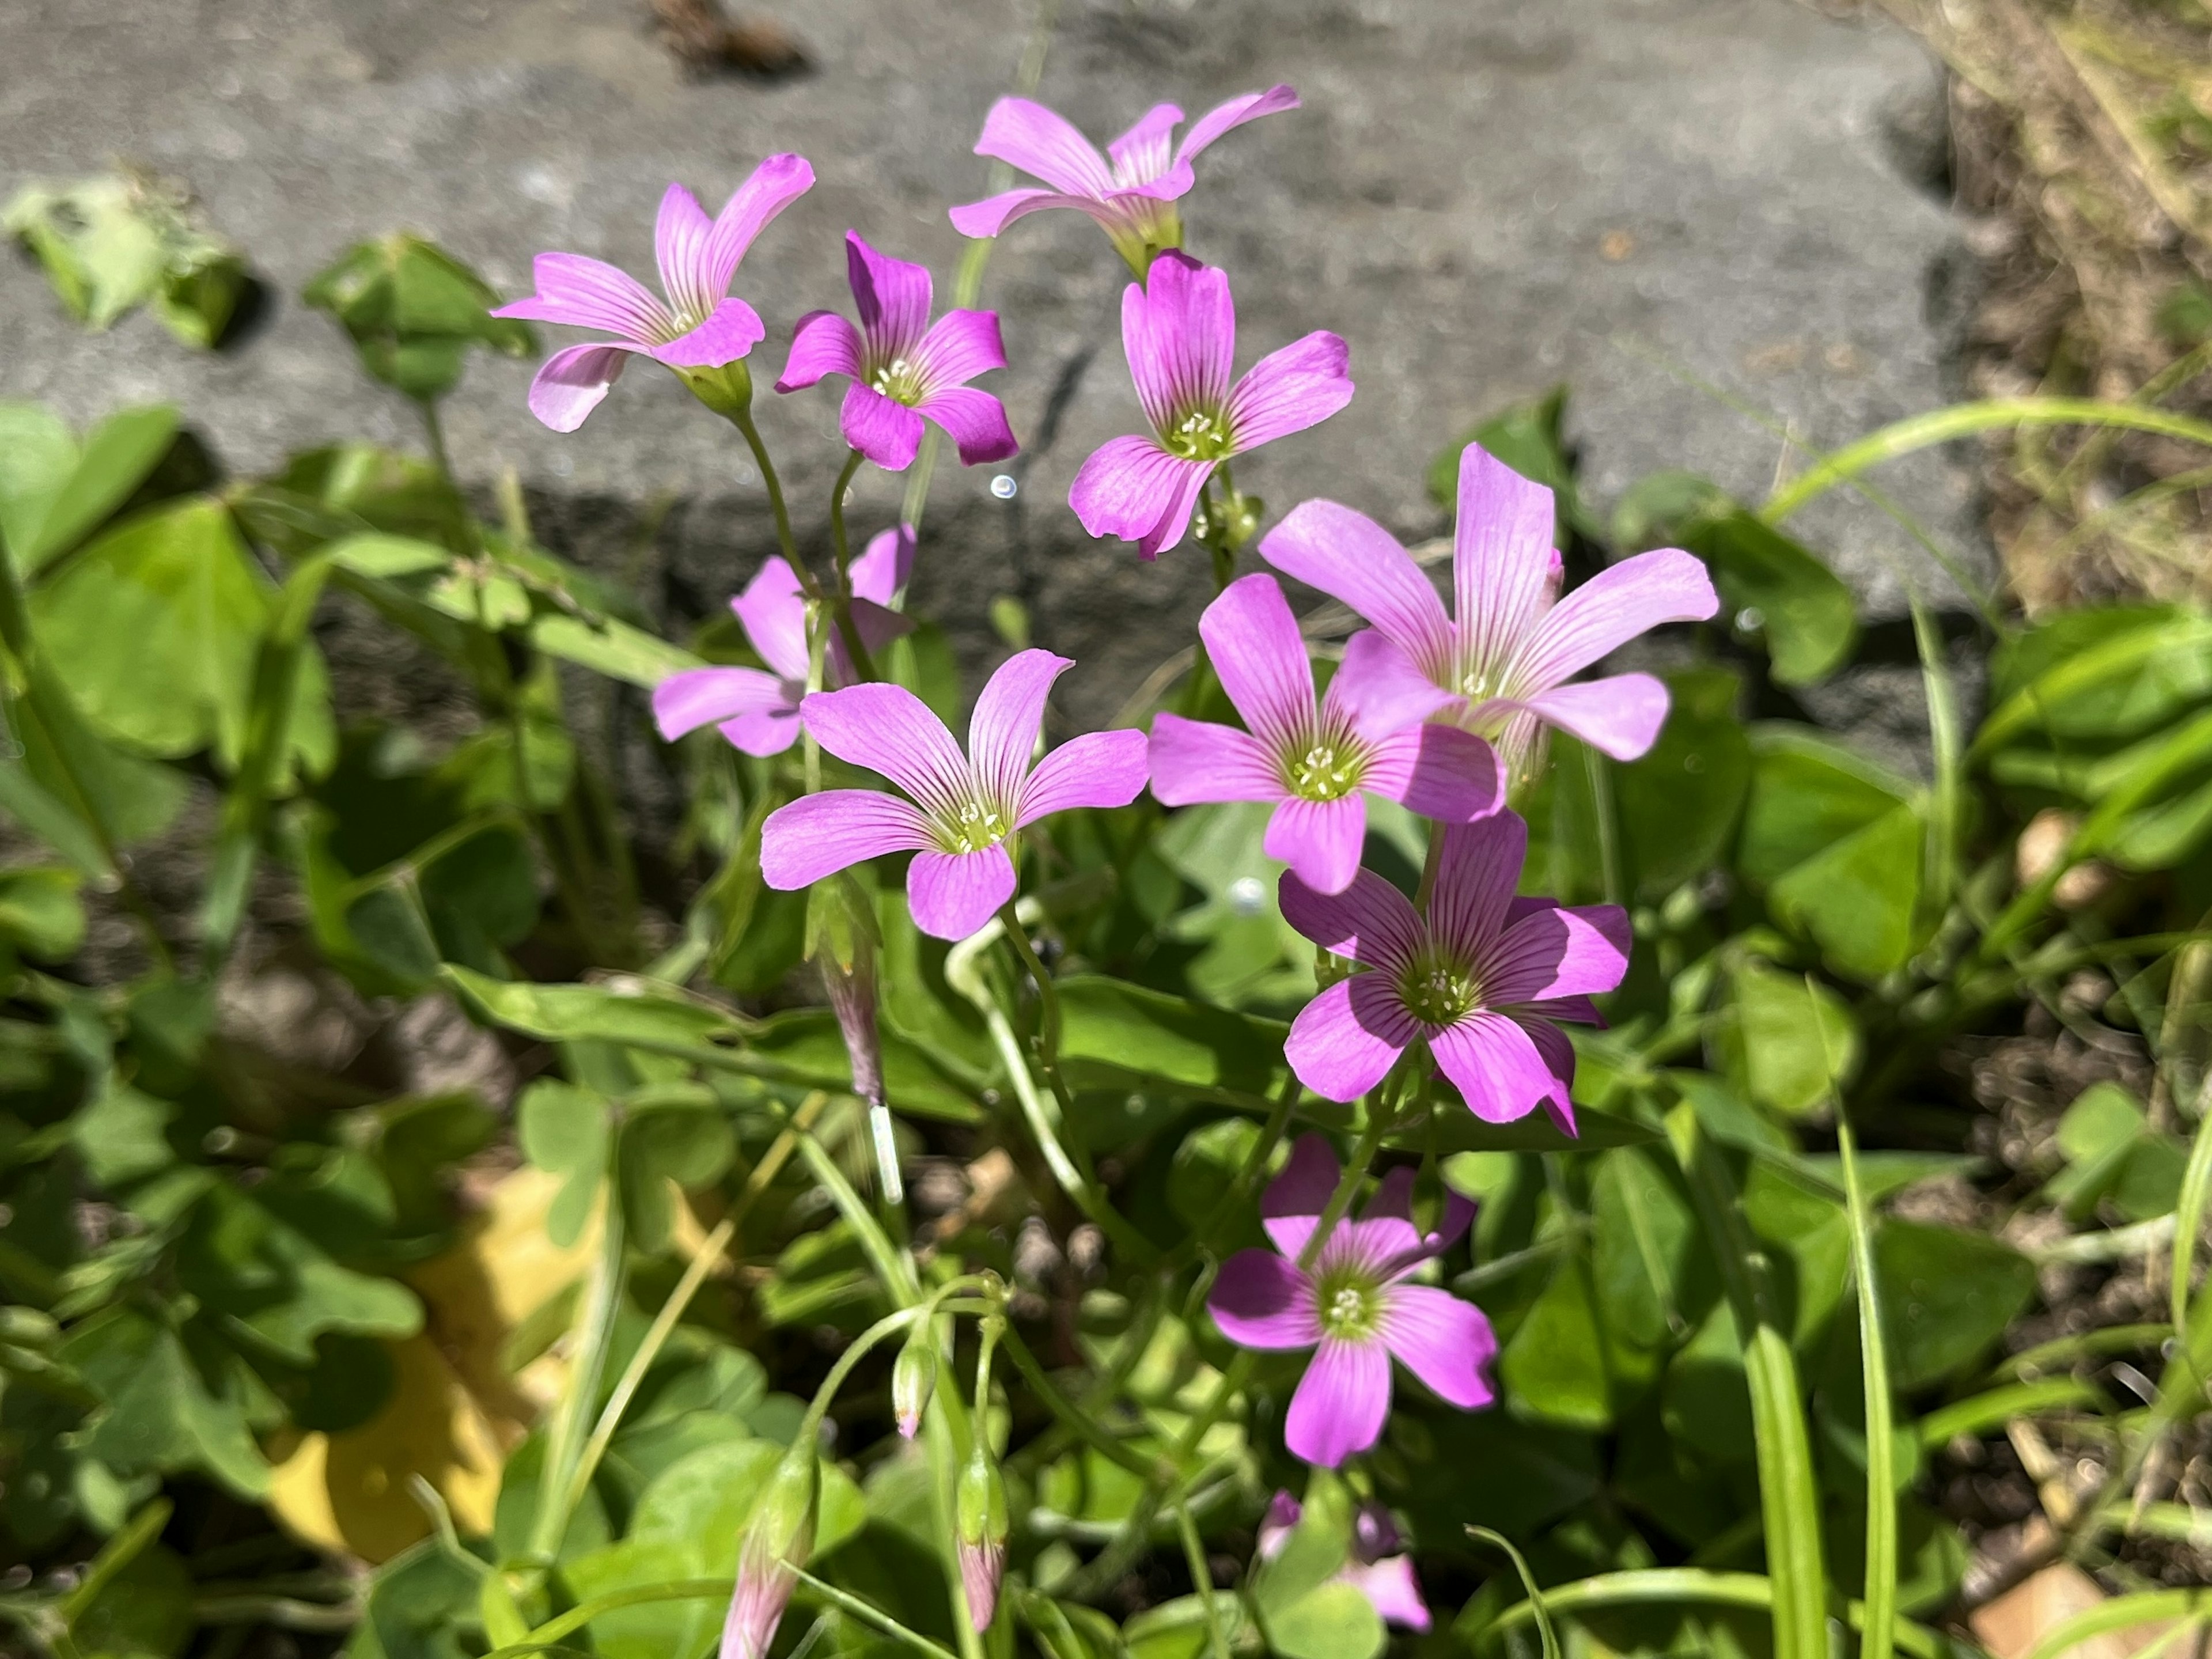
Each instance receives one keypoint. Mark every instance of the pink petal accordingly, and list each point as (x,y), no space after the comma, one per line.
(1394,1199)
(1132,487)
(991,216)
(893,297)
(1620,716)
(774,185)
(876,627)
(1260,1300)
(886,565)
(1501,555)
(1180,333)
(953,894)
(1029,136)
(974,420)
(1147,150)
(1482,867)
(1194,760)
(959,346)
(773,612)
(1609,610)
(592,293)
(1253,643)
(764,731)
(1345,1040)
(1373,1244)
(700,696)
(1294,1199)
(1370,921)
(1320,840)
(1223,118)
(1380,690)
(1438,772)
(823,343)
(1099,769)
(887,432)
(733,330)
(1391,1589)
(817,835)
(889,730)
(1002,733)
(1558,952)
(1340,1402)
(1494,1066)
(1559,1055)
(1445,1341)
(569,384)
(682,246)
(1282,1515)
(1348,557)
(1289,390)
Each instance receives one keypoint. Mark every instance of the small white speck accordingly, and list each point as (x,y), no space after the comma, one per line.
(1247,898)
(1004,486)
(1750,619)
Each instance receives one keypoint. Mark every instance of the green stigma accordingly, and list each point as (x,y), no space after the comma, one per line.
(1200,434)
(1348,1304)
(897,380)
(1327,770)
(978,825)
(1439,990)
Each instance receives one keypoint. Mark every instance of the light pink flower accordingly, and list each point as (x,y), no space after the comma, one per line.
(1353,1307)
(959,811)
(1180,332)
(758,710)
(1501,664)
(700,325)
(1379,1569)
(1131,190)
(1302,752)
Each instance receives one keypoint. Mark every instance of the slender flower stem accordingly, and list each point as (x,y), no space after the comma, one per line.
(817,647)
(842,546)
(1431,866)
(595,1326)
(743,419)
(1083,1423)
(869,1614)
(1201,1575)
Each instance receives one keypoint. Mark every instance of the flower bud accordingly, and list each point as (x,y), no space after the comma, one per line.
(914,1376)
(841,938)
(981,1515)
(727,388)
(777,1540)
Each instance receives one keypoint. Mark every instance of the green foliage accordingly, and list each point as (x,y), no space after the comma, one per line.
(412,311)
(111,245)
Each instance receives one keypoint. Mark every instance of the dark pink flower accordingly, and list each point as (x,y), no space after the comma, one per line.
(1501,664)
(1180,332)
(758,710)
(1484,979)
(1353,1307)
(1302,752)
(1131,190)
(958,811)
(700,325)
(903,368)
(1379,1569)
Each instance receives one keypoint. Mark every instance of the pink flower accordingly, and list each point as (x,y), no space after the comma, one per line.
(1484,979)
(1131,195)
(903,369)
(1378,1569)
(961,810)
(1502,666)
(1353,1307)
(699,325)
(1180,332)
(758,711)
(1303,753)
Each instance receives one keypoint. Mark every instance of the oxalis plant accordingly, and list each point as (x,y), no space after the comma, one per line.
(1401,1088)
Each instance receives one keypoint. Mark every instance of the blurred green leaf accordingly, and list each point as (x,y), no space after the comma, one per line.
(412,311)
(1948,1295)
(563,1131)
(616,1010)
(52,494)
(39,912)
(1787,1041)
(168,1408)
(112,244)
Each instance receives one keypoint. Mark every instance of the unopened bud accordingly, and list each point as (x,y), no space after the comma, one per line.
(982,1527)
(914,1376)
(841,938)
(727,389)
(777,1542)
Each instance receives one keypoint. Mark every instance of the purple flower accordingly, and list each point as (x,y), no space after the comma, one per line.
(1180,332)
(1501,665)
(757,710)
(1483,980)
(1353,1307)
(699,325)
(1378,1569)
(903,368)
(1304,753)
(1131,195)
(961,810)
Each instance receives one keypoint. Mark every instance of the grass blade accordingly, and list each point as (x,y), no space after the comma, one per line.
(2118,1613)
(2188,1220)
(1545,1633)
(1878,1636)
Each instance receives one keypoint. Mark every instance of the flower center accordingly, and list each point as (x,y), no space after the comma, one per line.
(1329,769)
(897,379)
(1350,1306)
(977,825)
(1439,990)
(1201,435)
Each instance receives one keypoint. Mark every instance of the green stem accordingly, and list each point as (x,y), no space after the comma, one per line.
(1083,1424)
(840,543)
(743,419)
(1878,1639)
(868,1613)
(1432,864)
(1201,1576)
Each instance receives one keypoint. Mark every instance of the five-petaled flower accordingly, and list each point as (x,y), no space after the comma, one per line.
(1484,979)
(757,709)
(1353,1306)
(960,810)
(1499,666)
(1178,329)
(1379,1569)
(903,368)
(1303,752)
(1131,190)
(700,325)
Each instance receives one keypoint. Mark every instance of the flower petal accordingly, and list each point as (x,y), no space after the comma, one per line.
(893,297)
(1379,688)
(1027,135)
(1609,610)
(1289,390)
(1223,117)
(974,420)
(1481,866)
(774,185)
(884,430)
(1620,716)
(1437,771)
(681,234)
(1002,733)
(1260,1300)
(819,834)
(1179,332)
(1491,1061)
(700,696)
(1345,1040)
(1320,840)
(953,894)
(590,293)
(569,384)
(1558,952)
(733,330)
(991,216)
(1099,769)
(773,612)
(1394,1200)
(1294,1199)
(1132,487)
(1501,556)
(1371,921)
(889,730)
(1194,760)
(1349,556)
(1253,643)
(1147,150)
(1391,1589)
(1445,1341)
(823,343)
(1340,1402)
(959,346)
(886,565)
(876,627)
(1559,1060)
